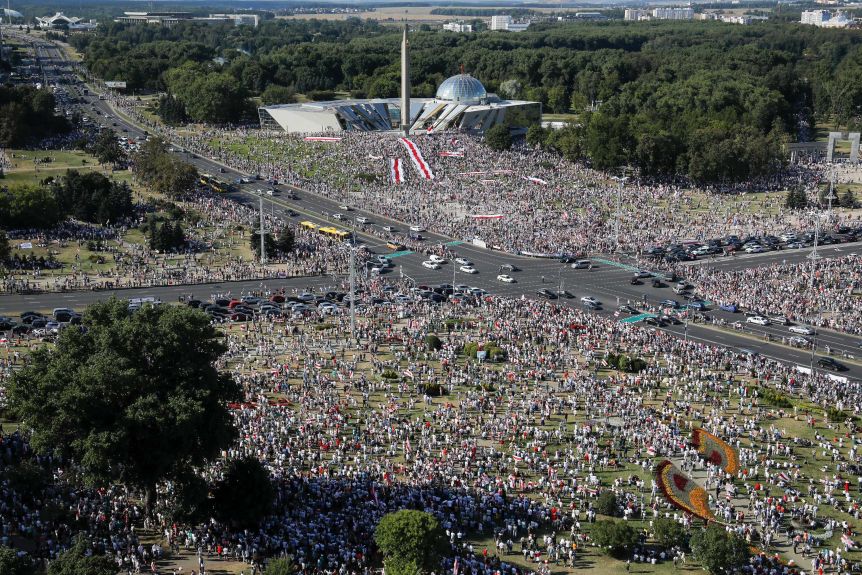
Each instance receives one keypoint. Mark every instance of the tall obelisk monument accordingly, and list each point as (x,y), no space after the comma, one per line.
(405,83)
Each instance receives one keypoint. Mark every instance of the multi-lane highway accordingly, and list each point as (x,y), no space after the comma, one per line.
(608,280)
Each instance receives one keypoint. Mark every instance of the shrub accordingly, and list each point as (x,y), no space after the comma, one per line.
(389,374)
(774,398)
(606,504)
(432,342)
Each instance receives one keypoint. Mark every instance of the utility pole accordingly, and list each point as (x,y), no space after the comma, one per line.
(262,233)
(622,181)
(353,291)
(352,247)
(814,256)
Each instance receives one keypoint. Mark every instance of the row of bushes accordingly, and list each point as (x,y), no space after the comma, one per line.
(774,398)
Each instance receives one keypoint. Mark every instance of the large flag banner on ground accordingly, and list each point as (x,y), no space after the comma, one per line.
(322,139)
(715,450)
(396,176)
(418,161)
(682,491)
(487,216)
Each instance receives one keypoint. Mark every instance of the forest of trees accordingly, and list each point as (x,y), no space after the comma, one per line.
(89,197)
(27,115)
(706,99)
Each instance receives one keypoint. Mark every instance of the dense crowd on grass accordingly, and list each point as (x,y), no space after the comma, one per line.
(548,205)
(210,251)
(514,457)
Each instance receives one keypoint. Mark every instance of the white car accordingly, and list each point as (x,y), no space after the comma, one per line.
(417,229)
(755,249)
(758,319)
(506,278)
(468,270)
(345,207)
(431,265)
(362,220)
(799,341)
(338,216)
(388,229)
(804,330)
(463,261)
(590,299)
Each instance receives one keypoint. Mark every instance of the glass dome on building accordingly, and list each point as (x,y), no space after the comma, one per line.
(462,88)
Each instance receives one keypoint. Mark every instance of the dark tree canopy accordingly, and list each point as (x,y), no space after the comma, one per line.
(27,115)
(92,197)
(411,541)
(134,398)
(163,171)
(245,495)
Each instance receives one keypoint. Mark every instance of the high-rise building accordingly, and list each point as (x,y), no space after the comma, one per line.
(501,22)
(673,13)
(824,19)
(458,27)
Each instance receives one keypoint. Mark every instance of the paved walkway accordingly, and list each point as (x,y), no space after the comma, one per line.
(780,543)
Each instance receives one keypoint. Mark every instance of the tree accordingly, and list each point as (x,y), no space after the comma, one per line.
(245,495)
(848,199)
(268,243)
(286,240)
(75,561)
(107,149)
(558,100)
(280,566)
(669,533)
(134,398)
(796,199)
(511,89)
(30,207)
(172,111)
(12,564)
(498,138)
(607,504)
(5,248)
(719,551)
(411,541)
(616,538)
(275,94)
(536,135)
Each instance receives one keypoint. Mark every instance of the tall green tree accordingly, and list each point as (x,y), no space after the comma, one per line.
(411,542)
(498,138)
(107,149)
(133,398)
(5,247)
(719,551)
(286,240)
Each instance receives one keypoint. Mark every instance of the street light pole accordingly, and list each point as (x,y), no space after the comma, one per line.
(262,233)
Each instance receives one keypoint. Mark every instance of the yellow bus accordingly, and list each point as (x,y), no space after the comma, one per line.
(308,225)
(335,233)
(213,184)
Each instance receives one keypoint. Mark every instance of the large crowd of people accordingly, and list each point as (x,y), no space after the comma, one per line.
(823,293)
(509,455)
(548,204)
(212,252)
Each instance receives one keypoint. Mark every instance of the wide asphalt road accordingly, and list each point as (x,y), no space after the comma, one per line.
(608,281)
